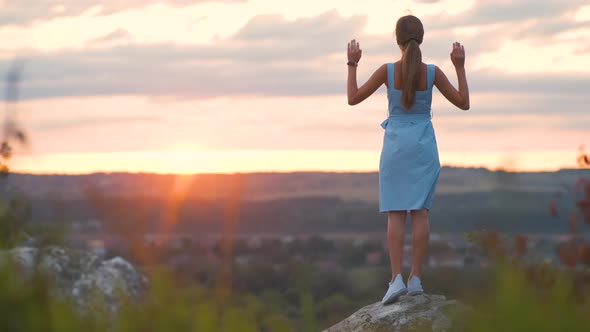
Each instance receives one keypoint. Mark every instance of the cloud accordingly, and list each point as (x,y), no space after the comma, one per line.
(93,121)
(272,37)
(485,12)
(167,69)
(314,30)
(496,21)
(520,119)
(115,36)
(258,59)
(269,56)
(24,12)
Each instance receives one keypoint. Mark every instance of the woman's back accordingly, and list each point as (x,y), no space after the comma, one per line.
(421,110)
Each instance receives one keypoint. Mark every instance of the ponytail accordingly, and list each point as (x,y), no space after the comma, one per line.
(411,68)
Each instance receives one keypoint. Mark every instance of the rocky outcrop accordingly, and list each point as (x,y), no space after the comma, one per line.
(80,276)
(410,313)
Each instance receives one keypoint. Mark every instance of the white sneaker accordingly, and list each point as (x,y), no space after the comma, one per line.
(415,286)
(396,289)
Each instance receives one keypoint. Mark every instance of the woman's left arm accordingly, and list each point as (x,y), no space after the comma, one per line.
(355,94)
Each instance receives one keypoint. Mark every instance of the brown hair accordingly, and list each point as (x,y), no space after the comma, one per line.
(409,33)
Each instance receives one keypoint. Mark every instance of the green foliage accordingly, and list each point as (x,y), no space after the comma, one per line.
(13,216)
(33,307)
(28,305)
(15,225)
(335,307)
(15,212)
(518,304)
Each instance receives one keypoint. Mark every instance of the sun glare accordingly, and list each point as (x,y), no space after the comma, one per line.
(175,198)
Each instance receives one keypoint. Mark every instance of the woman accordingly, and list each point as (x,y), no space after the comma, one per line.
(409,165)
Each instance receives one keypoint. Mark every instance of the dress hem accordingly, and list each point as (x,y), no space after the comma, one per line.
(398,210)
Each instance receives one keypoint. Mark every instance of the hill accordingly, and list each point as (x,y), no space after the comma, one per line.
(467,199)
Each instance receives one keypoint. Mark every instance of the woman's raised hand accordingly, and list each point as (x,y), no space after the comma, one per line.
(458,55)
(354,51)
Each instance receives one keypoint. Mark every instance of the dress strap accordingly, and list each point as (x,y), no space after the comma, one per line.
(430,72)
(390,75)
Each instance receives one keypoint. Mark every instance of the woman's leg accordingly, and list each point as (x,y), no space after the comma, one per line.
(395,240)
(420,236)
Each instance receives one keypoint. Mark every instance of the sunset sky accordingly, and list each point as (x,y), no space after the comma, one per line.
(189,86)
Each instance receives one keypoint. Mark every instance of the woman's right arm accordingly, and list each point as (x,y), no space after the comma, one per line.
(459,98)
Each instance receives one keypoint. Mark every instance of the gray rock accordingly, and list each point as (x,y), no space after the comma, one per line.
(82,277)
(410,313)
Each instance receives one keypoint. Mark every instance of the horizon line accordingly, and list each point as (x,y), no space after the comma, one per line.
(97,172)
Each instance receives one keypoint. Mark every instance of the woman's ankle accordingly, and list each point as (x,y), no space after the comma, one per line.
(394,275)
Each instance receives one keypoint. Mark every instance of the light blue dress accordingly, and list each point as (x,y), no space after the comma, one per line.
(409,166)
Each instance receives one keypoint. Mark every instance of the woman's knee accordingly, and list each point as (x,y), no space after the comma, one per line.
(421,214)
(396,216)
